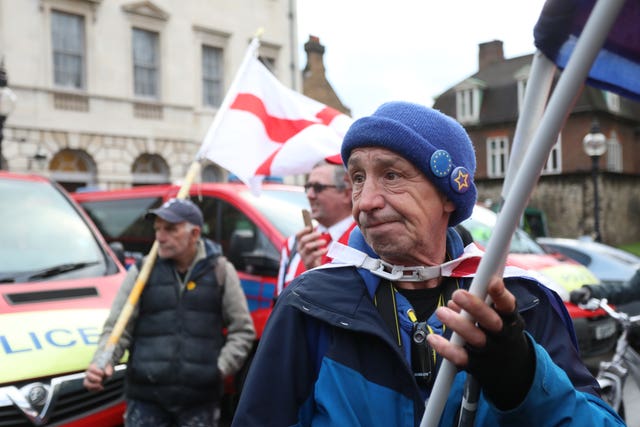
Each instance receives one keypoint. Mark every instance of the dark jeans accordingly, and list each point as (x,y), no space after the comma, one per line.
(145,414)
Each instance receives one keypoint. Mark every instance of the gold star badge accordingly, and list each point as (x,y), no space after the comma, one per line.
(462,180)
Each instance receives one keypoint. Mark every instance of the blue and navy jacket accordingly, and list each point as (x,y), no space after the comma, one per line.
(327,358)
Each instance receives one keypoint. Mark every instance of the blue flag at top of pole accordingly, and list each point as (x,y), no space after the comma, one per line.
(617,65)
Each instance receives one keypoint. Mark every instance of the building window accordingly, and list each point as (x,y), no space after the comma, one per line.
(614,153)
(267,54)
(211,76)
(468,105)
(212,173)
(145,63)
(67,40)
(497,156)
(554,161)
(613,101)
(268,62)
(522,86)
(521,78)
(73,169)
(150,169)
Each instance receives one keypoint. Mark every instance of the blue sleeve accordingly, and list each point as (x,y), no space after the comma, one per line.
(550,326)
(271,395)
(552,400)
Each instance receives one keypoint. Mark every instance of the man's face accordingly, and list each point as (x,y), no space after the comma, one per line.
(331,204)
(401,214)
(175,241)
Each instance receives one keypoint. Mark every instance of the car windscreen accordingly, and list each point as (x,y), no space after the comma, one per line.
(123,220)
(521,243)
(282,208)
(43,236)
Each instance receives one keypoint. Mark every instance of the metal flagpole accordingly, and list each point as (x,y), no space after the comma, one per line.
(535,98)
(563,98)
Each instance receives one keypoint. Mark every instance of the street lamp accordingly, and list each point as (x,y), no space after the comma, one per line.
(7,102)
(595,145)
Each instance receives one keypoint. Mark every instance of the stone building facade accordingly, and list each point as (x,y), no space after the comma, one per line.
(115,93)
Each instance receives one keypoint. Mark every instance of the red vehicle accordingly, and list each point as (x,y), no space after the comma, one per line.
(250,229)
(58,278)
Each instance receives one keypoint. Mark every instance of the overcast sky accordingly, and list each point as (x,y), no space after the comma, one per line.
(413,50)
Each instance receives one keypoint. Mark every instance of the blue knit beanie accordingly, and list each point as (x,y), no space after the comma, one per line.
(435,143)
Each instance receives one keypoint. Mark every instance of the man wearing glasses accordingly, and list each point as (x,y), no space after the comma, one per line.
(329,192)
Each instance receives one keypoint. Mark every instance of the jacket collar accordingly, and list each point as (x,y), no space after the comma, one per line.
(455,248)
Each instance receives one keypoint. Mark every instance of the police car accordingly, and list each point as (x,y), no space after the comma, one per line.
(57,278)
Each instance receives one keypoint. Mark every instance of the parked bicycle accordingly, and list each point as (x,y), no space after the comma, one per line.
(612,374)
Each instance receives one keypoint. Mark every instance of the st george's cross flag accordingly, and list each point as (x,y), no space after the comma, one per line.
(264,128)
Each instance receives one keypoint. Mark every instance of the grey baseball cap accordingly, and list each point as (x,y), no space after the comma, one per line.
(178,210)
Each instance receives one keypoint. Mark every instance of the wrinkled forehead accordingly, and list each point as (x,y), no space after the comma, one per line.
(364,157)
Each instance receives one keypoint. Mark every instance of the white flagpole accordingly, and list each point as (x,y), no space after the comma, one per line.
(563,98)
(249,56)
(535,99)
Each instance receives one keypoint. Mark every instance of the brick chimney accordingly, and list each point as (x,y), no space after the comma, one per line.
(490,53)
(315,53)
(314,80)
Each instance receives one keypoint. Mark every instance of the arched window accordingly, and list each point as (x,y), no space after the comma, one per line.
(212,173)
(73,169)
(150,169)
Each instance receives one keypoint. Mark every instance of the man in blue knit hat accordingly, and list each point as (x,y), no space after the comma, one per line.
(359,342)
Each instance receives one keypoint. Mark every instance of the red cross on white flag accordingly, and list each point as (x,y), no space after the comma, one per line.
(263,128)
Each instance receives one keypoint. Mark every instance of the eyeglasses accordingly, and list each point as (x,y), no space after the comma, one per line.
(317,187)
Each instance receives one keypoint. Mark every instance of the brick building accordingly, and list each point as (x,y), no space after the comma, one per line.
(488,102)
(314,80)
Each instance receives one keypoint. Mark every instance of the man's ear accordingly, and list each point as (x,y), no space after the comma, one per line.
(449,206)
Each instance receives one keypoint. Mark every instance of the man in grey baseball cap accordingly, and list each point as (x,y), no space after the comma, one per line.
(179,355)
(176,211)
